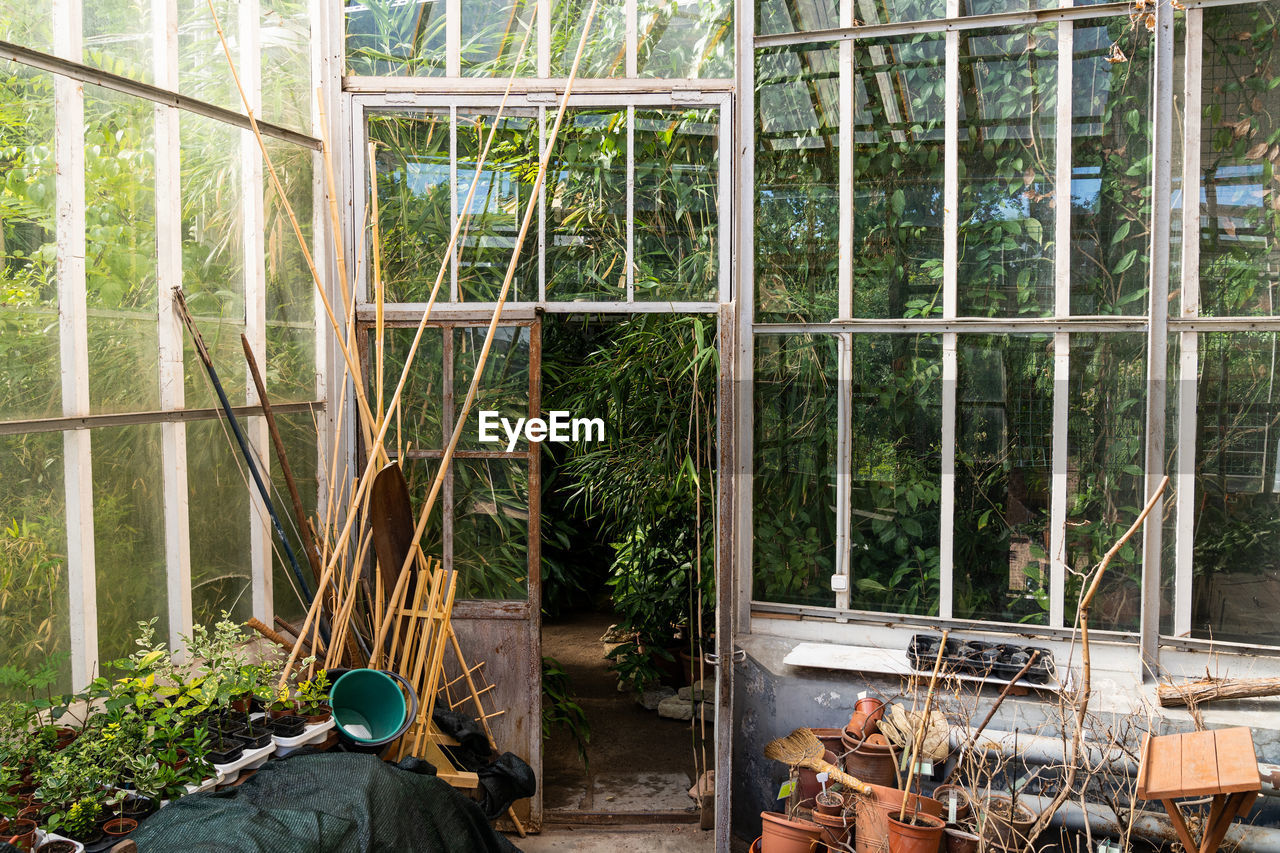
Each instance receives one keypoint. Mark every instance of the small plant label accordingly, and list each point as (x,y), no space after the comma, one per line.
(862,695)
(788,788)
(951,809)
(822,779)
(1108,846)
(925,768)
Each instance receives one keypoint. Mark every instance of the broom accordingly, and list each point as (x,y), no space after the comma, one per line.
(802,748)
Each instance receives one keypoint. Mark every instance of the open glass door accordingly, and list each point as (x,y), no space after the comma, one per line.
(486,525)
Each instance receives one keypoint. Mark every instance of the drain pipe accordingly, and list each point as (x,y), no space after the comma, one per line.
(1043,749)
(1100,819)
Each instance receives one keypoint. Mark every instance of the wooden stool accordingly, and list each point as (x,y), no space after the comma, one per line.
(1220,763)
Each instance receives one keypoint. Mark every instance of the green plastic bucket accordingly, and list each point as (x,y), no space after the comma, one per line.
(368,707)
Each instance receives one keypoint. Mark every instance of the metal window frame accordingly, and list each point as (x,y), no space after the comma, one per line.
(362,105)
(1155,325)
(77,420)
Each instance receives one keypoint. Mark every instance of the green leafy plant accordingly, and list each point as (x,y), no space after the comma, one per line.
(559,710)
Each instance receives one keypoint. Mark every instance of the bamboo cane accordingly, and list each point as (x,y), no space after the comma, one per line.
(377,443)
(924,726)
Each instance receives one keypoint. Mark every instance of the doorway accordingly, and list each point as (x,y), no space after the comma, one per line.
(628,568)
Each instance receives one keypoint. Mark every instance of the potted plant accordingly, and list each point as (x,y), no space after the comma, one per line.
(313,695)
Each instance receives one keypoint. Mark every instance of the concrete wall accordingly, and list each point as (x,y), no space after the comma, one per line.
(771,699)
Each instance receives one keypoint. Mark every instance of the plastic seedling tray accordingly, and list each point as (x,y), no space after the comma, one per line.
(312,734)
(208,784)
(251,758)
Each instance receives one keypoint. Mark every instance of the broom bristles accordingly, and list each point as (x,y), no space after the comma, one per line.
(802,748)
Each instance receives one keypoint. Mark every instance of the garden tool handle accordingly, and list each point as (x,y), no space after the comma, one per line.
(838,775)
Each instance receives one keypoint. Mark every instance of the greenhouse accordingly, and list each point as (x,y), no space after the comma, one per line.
(605,425)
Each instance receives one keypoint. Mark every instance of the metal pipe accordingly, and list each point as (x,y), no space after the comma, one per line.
(1102,820)
(1043,749)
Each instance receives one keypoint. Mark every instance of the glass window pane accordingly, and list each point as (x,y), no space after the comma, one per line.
(1004,435)
(1239,161)
(213,256)
(1009,88)
(412,165)
(129,539)
(503,386)
(203,71)
(492,32)
(605,51)
(220,512)
(28,23)
(290,364)
(896,477)
(797,192)
(677,211)
(299,433)
(794,469)
(1236,581)
(388,37)
(417,426)
(117,37)
(897,177)
(693,38)
(587,208)
(120,252)
(1106,423)
(491,528)
(34,622)
(285,35)
(1110,168)
(790,16)
(419,474)
(497,209)
(30,383)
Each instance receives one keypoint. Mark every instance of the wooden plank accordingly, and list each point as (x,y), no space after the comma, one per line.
(1221,815)
(1237,761)
(1199,765)
(1164,769)
(1144,767)
(1180,825)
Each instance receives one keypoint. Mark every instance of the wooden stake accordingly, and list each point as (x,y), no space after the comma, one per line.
(924,726)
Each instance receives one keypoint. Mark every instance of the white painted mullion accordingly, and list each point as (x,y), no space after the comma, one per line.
(453,38)
(542,209)
(543,44)
(253,214)
(1061,340)
(73,336)
(847,142)
(631,204)
(844,463)
(950,359)
(632,45)
(1189,342)
(454,213)
(728,198)
(169,331)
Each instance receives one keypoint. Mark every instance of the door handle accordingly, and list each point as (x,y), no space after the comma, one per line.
(739,655)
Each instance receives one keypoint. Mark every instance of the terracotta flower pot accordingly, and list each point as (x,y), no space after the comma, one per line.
(921,833)
(21,833)
(870,761)
(321,715)
(961,841)
(872,815)
(57,846)
(755,845)
(943,794)
(782,834)
(119,827)
(832,739)
(835,829)
(828,803)
(872,706)
(1001,827)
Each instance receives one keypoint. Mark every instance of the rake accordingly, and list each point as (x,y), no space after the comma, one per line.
(802,748)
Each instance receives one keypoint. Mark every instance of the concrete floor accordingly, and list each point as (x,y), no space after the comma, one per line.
(637,761)
(634,839)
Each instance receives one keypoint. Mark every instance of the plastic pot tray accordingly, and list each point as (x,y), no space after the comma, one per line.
(251,759)
(311,734)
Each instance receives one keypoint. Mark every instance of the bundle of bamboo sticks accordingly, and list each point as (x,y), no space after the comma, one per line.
(343,530)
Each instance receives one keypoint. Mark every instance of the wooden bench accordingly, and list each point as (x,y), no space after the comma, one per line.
(1219,763)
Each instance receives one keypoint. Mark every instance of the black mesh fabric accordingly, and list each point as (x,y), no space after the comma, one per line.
(325,803)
